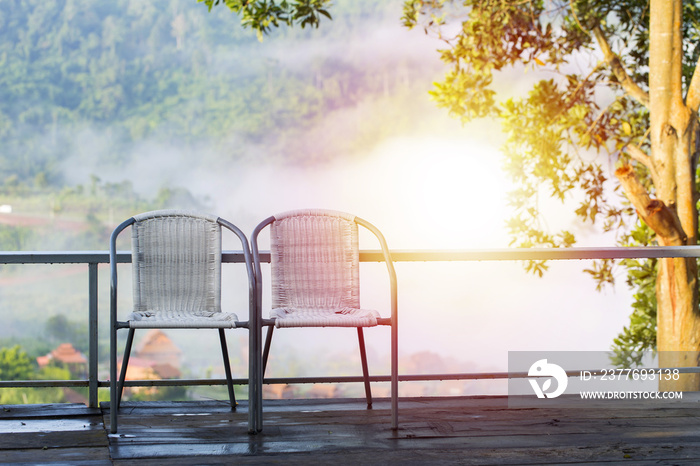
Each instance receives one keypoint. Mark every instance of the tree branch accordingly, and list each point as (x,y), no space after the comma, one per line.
(692,100)
(640,156)
(654,212)
(627,83)
(573,12)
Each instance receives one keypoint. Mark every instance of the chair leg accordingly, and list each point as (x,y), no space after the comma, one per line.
(125,362)
(258,373)
(266,350)
(113,379)
(394,375)
(365,370)
(254,376)
(227,369)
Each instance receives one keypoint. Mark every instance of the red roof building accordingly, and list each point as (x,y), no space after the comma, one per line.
(67,356)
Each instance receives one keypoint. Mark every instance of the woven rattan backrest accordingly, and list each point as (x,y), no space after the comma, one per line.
(314,260)
(176,262)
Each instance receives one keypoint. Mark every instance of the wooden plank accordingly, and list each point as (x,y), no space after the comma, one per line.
(33,424)
(47,410)
(56,433)
(72,456)
(45,440)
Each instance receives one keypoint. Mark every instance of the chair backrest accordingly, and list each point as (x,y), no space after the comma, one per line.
(314,260)
(176,258)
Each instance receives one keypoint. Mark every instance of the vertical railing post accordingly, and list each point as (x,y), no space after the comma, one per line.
(92,334)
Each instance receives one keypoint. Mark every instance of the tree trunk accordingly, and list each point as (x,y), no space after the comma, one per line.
(678,326)
(673,134)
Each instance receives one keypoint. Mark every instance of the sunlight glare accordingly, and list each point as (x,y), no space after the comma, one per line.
(451,191)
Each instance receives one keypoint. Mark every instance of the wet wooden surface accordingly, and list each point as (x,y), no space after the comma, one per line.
(433,430)
(52,434)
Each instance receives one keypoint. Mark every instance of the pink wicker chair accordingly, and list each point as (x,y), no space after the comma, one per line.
(176,261)
(314,260)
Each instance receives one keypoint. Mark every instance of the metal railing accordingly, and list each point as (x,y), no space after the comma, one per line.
(93,258)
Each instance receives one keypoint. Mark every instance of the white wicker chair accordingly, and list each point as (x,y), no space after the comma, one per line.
(176,263)
(314,257)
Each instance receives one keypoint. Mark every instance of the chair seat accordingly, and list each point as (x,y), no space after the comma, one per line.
(182,319)
(344,317)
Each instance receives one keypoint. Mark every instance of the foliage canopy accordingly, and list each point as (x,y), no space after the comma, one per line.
(586,112)
(263,15)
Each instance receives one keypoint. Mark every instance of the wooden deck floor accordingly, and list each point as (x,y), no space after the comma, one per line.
(433,430)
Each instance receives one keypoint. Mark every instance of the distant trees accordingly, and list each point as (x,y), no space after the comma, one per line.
(13,238)
(102,77)
(59,329)
(15,364)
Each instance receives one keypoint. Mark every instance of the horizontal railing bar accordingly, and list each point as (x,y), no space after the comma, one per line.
(84,257)
(321,379)
(439,377)
(509,254)
(401,255)
(43,383)
(54,257)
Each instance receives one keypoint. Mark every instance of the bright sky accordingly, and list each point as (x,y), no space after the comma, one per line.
(421,192)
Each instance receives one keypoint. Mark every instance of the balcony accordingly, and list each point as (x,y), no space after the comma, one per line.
(449,429)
